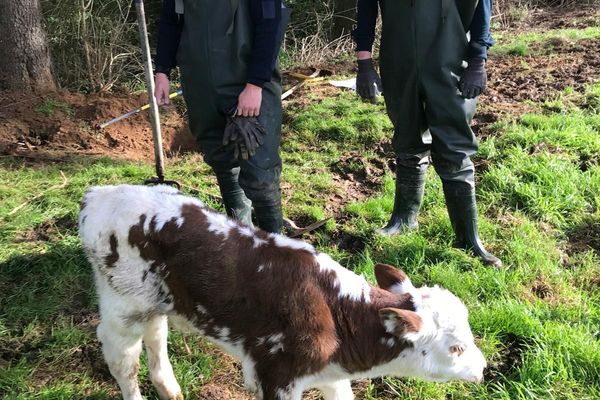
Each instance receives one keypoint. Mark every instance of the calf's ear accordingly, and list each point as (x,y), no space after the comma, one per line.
(393,280)
(401,323)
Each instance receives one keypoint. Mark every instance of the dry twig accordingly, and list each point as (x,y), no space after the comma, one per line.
(62,185)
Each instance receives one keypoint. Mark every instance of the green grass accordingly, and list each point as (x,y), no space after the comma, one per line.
(531,43)
(50,106)
(539,198)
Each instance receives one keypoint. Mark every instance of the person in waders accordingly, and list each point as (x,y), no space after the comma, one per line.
(430,98)
(226,51)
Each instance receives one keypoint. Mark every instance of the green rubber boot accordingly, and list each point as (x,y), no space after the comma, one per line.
(410,187)
(237,205)
(269,217)
(462,209)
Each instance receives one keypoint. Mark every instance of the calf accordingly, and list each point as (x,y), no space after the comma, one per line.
(293,316)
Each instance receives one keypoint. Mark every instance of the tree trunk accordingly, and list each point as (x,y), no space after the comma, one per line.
(344,18)
(24,56)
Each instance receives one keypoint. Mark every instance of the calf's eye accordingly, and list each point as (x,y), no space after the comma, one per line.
(457,349)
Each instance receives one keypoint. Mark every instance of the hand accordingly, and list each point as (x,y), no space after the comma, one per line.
(368,83)
(161,88)
(249,101)
(474,79)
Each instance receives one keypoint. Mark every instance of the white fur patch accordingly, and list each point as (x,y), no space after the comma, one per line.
(261,267)
(283,241)
(219,223)
(258,242)
(201,309)
(350,285)
(389,342)
(246,231)
(276,342)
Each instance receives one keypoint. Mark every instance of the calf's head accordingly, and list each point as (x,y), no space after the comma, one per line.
(443,347)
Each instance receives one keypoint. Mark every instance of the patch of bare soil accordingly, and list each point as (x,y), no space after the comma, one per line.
(545,18)
(59,124)
(557,18)
(507,360)
(535,78)
(356,178)
(542,290)
(584,237)
(516,82)
(47,230)
(227,382)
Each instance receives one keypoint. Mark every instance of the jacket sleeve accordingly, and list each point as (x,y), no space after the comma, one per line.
(266,16)
(366,19)
(169,35)
(481,39)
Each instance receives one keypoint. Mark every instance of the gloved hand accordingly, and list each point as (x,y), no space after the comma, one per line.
(244,134)
(368,83)
(474,79)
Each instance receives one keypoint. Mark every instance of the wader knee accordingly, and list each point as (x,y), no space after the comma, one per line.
(454,171)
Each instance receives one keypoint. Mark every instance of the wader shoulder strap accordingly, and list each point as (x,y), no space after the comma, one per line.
(179,7)
(234,8)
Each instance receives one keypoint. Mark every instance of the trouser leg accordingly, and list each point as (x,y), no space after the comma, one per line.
(260,175)
(453,144)
(411,142)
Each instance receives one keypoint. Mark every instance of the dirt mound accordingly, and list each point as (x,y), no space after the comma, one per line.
(63,124)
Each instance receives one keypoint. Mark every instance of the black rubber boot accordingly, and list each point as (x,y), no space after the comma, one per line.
(269,217)
(410,187)
(237,205)
(462,209)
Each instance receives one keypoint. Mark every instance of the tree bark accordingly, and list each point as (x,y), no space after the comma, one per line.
(24,55)
(344,18)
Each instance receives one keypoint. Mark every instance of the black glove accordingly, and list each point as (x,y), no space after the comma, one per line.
(368,83)
(474,79)
(244,134)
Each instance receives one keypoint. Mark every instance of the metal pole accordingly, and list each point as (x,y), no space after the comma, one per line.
(133,112)
(156,132)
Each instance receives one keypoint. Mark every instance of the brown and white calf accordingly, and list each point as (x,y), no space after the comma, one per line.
(294,317)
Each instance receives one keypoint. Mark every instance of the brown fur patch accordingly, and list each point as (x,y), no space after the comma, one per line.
(388,276)
(111,259)
(406,321)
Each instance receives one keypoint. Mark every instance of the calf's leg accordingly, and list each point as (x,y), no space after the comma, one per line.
(161,371)
(340,390)
(121,346)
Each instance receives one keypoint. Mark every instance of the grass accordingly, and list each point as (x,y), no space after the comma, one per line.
(50,106)
(533,43)
(537,321)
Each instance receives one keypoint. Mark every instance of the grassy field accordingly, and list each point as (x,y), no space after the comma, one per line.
(537,321)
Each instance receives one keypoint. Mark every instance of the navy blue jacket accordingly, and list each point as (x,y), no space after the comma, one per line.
(266,16)
(481,39)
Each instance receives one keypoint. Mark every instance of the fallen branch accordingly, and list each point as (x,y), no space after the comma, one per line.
(62,185)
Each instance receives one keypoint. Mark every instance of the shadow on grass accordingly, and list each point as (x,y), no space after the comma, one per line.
(45,283)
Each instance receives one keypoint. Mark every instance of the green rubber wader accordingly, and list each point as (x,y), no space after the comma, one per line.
(213,56)
(423,46)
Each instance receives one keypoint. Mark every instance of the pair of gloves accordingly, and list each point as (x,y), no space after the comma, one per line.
(243,134)
(472,81)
